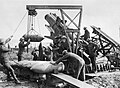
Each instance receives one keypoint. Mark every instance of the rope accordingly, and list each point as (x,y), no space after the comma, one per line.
(32,30)
(30,26)
(38,24)
(36,31)
(19,23)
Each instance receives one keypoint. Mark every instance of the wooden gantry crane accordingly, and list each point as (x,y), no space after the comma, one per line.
(32,13)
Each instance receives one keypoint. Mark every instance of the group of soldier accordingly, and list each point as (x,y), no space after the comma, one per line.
(75,62)
(57,52)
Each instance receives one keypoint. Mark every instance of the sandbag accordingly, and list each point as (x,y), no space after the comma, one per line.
(47,67)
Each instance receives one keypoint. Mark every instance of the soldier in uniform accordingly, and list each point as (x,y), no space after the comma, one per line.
(34,53)
(92,51)
(22,46)
(86,34)
(76,64)
(4,60)
(63,44)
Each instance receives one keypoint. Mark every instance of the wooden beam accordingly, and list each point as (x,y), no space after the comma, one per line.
(32,7)
(65,27)
(72,30)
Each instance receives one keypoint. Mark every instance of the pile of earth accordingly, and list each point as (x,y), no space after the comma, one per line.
(107,80)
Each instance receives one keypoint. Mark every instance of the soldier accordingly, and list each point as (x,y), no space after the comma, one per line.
(63,44)
(92,51)
(4,60)
(48,54)
(75,63)
(86,34)
(34,53)
(22,46)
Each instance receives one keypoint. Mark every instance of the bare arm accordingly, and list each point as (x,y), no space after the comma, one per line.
(62,58)
(7,40)
(27,43)
(51,58)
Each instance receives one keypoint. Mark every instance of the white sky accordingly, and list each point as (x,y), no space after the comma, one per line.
(101,13)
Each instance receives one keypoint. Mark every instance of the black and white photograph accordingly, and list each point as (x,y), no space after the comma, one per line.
(60,44)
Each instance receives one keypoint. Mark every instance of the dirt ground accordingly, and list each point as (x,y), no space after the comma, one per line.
(10,84)
(105,80)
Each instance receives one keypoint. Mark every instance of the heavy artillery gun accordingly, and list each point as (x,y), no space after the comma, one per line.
(47,76)
(57,26)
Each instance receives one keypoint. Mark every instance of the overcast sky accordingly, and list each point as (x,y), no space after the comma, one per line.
(101,13)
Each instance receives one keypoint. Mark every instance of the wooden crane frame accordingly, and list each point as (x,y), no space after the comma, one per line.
(63,13)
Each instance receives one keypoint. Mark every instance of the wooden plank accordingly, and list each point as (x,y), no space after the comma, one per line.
(73,81)
(98,73)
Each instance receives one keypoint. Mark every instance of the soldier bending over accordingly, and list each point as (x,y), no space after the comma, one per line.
(76,64)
